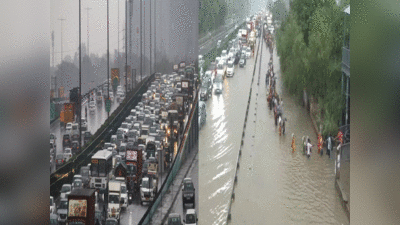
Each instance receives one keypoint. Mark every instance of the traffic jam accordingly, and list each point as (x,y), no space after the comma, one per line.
(123,177)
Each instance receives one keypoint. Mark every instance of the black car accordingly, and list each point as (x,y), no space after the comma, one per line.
(204,93)
(236,59)
(75,147)
(86,137)
(188,193)
(66,141)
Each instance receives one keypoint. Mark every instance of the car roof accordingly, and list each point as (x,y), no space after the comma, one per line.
(191,211)
(174,215)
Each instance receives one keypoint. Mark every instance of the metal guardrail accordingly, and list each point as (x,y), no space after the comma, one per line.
(346,60)
(189,138)
(65,173)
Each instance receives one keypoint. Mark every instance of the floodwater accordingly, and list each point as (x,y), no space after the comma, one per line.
(275,186)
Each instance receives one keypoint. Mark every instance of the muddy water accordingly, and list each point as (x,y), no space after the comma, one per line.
(275,186)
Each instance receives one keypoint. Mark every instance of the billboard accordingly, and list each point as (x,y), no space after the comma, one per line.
(77,208)
(114,73)
(131,155)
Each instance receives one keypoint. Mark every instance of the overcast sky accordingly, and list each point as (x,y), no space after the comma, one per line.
(69,10)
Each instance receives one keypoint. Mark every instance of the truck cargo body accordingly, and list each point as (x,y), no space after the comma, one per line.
(81,206)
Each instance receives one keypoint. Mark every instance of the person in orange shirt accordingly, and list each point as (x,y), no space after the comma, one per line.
(339,137)
(320,144)
(293,144)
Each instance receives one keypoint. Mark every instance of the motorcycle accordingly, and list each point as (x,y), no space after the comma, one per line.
(281,125)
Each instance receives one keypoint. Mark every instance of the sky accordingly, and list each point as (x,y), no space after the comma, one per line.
(69,10)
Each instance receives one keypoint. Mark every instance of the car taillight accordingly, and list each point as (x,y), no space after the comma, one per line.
(57,161)
(70,155)
(62,160)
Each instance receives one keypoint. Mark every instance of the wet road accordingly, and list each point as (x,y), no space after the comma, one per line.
(274,186)
(94,120)
(194,174)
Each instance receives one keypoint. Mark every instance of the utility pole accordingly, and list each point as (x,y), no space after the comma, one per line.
(61,41)
(52,44)
(144,33)
(141,52)
(80,80)
(150,39)
(155,38)
(126,46)
(108,60)
(118,35)
(87,8)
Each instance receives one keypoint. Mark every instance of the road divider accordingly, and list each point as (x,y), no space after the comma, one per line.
(229,216)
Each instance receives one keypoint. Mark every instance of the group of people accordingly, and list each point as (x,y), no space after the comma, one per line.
(329,142)
(274,101)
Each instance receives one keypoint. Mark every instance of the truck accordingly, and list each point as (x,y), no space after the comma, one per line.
(114,199)
(148,189)
(67,114)
(81,206)
(134,163)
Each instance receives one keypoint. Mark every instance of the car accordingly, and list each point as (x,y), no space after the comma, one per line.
(52,205)
(75,147)
(83,124)
(248,53)
(202,113)
(230,71)
(242,62)
(86,137)
(77,184)
(65,190)
(59,160)
(53,219)
(190,217)
(188,193)
(218,43)
(92,106)
(62,210)
(112,221)
(204,93)
(218,87)
(111,95)
(67,154)
(174,219)
(53,139)
(52,149)
(84,172)
(68,128)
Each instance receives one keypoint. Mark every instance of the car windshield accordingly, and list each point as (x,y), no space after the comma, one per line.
(131,169)
(123,189)
(230,65)
(188,187)
(218,80)
(60,156)
(110,222)
(52,136)
(124,125)
(145,132)
(113,199)
(51,201)
(63,205)
(174,220)
(77,183)
(153,130)
(190,218)
(65,189)
(147,184)
(220,66)
(87,134)
(84,172)
(67,151)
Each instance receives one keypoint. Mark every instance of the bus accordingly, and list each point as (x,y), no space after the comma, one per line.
(100,170)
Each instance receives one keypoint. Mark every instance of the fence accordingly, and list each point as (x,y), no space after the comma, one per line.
(65,174)
(189,139)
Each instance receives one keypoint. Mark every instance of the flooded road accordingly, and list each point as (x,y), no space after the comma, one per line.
(275,186)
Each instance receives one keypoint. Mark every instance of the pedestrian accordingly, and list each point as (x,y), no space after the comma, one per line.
(320,144)
(339,137)
(309,146)
(293,144)
(329,145)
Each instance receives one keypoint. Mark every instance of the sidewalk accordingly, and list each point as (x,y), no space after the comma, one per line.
(169,198)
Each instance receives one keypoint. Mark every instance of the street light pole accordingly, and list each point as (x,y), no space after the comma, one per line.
(108,60)
(126,46)
(141,51)
(80,81)
(61,41)
(150,38)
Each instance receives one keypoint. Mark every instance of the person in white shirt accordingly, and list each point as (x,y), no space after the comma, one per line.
(309,146)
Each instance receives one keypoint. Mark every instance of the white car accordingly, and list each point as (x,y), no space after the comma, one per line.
(120,95)
(52,205)
(67,154)
(191,217)
(68,128)
(230,71)
(92,106)
(111,94)
(219,43)
(65,190)
(248,53)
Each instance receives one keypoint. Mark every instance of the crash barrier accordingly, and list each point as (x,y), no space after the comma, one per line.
(189,140)
(235,179)
(345,152)
(65,173)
